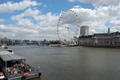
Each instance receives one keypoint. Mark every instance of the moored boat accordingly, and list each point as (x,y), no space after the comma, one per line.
(15,67)
(5,48)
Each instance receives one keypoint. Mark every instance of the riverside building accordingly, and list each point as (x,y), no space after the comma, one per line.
(101,40)
(84,30)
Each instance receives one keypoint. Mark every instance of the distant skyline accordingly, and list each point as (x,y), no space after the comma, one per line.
(37,19)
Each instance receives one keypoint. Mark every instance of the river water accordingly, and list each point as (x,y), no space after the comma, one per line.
(73,63)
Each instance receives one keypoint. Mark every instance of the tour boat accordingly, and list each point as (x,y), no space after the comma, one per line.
(15,67)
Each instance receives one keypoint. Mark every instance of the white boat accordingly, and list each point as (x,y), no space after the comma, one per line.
(5,48)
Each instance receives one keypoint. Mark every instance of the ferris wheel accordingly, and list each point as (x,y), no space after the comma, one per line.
(68,27)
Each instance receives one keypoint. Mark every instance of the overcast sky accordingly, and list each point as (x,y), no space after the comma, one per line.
(38,19)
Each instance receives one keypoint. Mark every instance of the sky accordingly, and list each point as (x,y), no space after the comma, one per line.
(46,19)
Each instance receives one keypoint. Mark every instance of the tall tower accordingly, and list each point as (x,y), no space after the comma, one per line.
(108,30)
(84,30)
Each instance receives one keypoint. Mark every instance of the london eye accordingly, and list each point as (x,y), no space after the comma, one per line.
(68,28)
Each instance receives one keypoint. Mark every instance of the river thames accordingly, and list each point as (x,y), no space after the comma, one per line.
(72,63)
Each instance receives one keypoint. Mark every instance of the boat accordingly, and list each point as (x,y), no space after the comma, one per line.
(14,67)
(5,47)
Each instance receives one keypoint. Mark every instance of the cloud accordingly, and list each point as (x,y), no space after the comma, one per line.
(43,20)
(30,23)
(105,10)
(14,31)
(22,21)
(99,2)
(44,24)
(25,18)
(71,0)
(11,6)
(103,2)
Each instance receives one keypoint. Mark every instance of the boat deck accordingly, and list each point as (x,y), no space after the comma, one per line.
(32,74)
